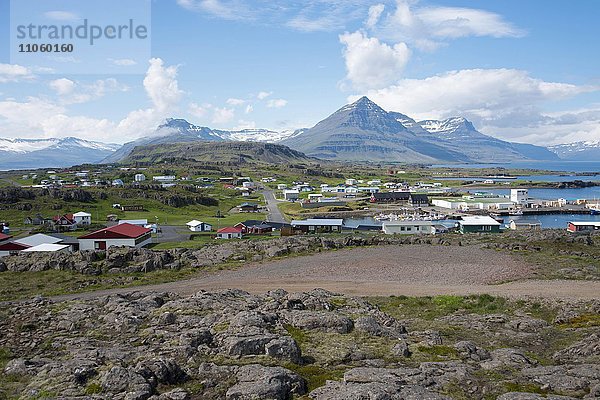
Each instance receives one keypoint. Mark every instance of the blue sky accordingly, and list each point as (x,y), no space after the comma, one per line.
(522,71)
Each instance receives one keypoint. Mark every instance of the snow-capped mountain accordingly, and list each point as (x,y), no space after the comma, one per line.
(580,151)
(30,145)
(364,131)
(177,130)
(41,153)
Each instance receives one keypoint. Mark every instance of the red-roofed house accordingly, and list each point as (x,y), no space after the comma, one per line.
(229,232)
(119,235)
(10,248)
(4,237)
(64,222)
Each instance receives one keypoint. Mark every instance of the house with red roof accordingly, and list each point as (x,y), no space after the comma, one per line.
(4,237)
(230,232)
(119,235)
(64,222)
(11,248)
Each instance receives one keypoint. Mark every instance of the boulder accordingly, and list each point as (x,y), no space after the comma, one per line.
(120,380)
(468,350)
(255,382)
(321,321)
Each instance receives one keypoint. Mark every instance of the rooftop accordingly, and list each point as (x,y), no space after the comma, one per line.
(320,222)
(229,229)
(46,247)
(118,231)
(478,220)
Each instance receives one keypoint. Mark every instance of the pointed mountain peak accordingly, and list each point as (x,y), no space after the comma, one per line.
(177,123)
(363,101)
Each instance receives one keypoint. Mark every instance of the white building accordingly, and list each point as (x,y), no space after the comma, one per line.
(48,248)
(137,222)
(519,196)
(37,239)
(281,186)
(408,227)
(82,218)
(119,235)
(164,178)
(199,226)
(291,195)
(351,182)
(139,177)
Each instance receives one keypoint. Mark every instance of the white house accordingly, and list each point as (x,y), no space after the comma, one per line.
(199,226)
(408,227)
(291,195)
(351,182)
(281,186)
(164,178)
(229,232)
(82,218)
(139,177)
(119,235)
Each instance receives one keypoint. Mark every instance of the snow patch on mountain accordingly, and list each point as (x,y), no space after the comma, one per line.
(23,146)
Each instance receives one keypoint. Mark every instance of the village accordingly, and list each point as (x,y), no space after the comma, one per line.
(297,207)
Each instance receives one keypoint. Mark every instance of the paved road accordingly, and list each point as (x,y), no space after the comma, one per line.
(171,233)
(274,213)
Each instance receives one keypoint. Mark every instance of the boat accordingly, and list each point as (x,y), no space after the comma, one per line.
(515,212)
(594,211)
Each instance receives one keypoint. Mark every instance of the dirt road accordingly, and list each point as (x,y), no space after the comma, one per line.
(383,271)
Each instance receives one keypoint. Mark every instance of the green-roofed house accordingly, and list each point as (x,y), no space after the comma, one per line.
(476,224)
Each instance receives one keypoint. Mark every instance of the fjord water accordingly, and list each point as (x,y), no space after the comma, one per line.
(559,166)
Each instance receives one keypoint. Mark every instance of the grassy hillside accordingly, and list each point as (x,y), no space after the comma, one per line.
(224,152)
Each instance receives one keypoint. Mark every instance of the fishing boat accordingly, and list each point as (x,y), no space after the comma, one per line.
(515,212)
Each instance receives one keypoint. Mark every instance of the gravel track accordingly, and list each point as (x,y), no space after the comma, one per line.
(416,270)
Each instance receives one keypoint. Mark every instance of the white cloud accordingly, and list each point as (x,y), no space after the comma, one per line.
(307,15)
(37,117)
(277,103)
(14,73)
(231,10)
(374,15)
(370,63)
(249,109)
(307,24)
(506,103)
(71,92)
(454,22)
(222,115)
(425,27)
(199,111)
(161,85)
(235,102)
(62,86)
(61,15)
(123,62)
(242,124)
(263,95)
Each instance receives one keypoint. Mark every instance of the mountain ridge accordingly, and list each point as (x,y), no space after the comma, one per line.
(52,152)
(363,131)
